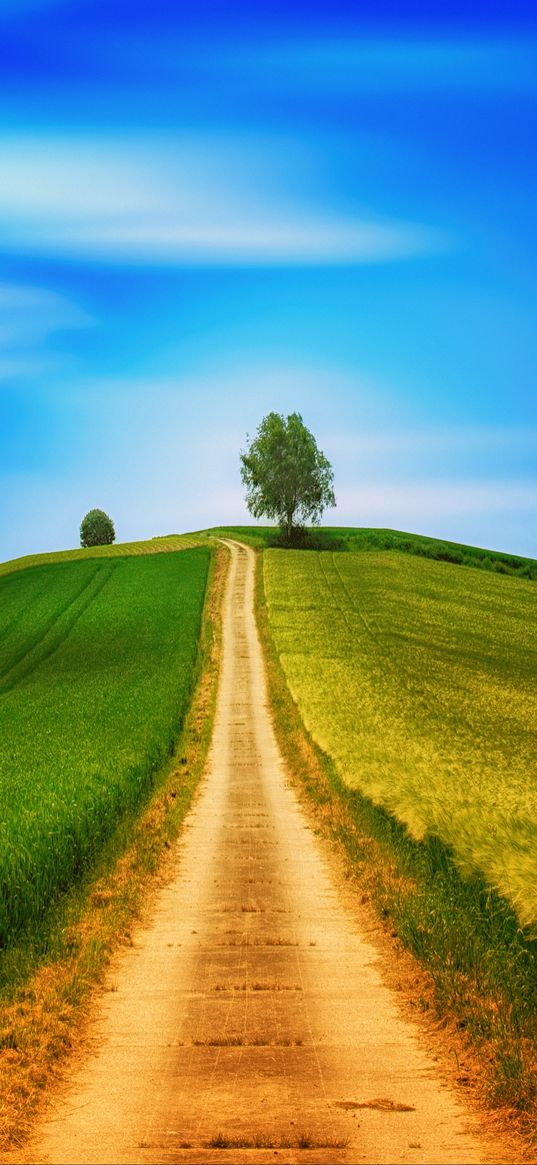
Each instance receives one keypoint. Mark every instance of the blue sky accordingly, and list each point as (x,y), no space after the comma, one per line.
(210,211)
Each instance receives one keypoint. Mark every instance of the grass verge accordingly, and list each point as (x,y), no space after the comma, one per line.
(46,992)
(479,967)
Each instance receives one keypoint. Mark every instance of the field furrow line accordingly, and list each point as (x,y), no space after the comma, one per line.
(57,630)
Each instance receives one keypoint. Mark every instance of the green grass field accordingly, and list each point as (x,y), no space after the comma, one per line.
(97,661)
(419,679)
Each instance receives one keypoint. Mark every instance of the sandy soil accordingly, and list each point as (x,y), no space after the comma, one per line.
(250,1010)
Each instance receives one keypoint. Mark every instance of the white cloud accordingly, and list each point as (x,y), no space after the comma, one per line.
(31,313)
(28,315)
(188,200)
(28,367)
(242,242)
(403,503)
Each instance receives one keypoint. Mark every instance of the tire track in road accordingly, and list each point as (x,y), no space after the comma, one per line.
(249,1021)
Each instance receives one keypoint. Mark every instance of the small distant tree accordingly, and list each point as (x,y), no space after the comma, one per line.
(287,478)
(97,529)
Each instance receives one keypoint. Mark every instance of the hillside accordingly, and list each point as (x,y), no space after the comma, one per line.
(413,676)
(116,550)
(353,538)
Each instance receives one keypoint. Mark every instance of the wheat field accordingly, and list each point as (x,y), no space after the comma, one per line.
(419,679)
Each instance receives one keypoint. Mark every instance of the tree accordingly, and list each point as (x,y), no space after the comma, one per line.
(287,478)
(97,529)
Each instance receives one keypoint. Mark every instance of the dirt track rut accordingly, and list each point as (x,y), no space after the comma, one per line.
(250,1012)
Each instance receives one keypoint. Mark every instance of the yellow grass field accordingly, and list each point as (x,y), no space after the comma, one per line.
(419,679)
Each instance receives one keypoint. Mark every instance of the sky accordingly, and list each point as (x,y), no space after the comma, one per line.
(210,211)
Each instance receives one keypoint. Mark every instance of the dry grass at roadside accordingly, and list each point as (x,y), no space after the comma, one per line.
(476,971)
(43,1021)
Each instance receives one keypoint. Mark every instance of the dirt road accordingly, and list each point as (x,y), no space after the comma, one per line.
(249,1020)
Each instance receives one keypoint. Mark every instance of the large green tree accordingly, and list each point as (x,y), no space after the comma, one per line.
(97,529)
(287,478)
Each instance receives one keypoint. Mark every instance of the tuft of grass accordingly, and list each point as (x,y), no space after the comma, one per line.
(479,965)
(265,1141)
(274,941)
(220,1042)
(256,985)
(381,1104)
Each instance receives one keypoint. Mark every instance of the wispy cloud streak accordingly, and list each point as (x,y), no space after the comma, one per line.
(181,202)
(456,439)
(405,502)
(28,316)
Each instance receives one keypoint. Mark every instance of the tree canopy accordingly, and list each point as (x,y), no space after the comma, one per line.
(287,478)
(97,529)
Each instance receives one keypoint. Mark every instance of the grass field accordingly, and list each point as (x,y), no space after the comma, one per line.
(97,662)
(420,681)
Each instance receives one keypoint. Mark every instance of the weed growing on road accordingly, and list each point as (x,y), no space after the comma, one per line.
(265,1141)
